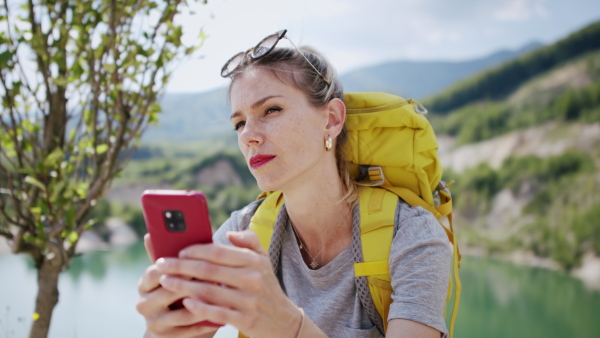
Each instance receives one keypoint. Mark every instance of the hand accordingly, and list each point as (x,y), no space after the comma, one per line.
(153,304)
(232,284)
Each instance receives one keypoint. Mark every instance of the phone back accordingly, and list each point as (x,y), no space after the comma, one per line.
(175,219)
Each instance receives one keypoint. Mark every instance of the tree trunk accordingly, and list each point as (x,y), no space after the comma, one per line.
(47,297)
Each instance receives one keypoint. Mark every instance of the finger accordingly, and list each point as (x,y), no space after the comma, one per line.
(148,246)
(213,313)
(226,255)
(157,301)
(177,323)
(171,318)
(207,292)
(246,239)
(235,277)
(149,280)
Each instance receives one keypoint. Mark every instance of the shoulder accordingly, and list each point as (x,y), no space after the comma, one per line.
(238,221)
(416,222)
(420,260)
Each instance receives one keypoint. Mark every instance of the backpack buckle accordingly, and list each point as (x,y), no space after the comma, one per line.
(442,186)
(376,176)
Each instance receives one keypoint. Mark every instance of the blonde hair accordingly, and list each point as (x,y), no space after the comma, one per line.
(289,66)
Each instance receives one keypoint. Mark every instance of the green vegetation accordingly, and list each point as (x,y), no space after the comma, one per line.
(562,201)
(538,104)
(498,82)
(180,168)
(555,199)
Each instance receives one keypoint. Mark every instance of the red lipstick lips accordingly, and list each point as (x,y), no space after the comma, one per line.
(259,160)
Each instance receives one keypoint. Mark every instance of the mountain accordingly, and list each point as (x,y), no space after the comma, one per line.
(498,82)
(191,117)
(525,156)
(419,79)
(205,115)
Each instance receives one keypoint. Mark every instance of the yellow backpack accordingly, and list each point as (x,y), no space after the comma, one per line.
(392,147)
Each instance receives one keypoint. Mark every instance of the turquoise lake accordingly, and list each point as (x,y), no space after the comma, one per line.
(98,296)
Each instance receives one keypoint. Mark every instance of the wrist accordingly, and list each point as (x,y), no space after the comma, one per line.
(301,326)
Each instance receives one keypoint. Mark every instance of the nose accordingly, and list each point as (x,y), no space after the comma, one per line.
(251,133)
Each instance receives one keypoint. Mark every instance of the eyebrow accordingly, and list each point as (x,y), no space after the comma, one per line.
(255,104)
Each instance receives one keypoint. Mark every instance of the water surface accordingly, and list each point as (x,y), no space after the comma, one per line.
(98,296)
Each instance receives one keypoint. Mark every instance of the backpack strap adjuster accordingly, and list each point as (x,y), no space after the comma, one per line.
(376,176)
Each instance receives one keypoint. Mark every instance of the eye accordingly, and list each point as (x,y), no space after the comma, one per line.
(239,125)
(272,110)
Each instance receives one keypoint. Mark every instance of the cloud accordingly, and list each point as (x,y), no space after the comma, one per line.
(521,10)
(357,33)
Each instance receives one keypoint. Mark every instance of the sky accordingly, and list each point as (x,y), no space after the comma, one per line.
(357,33)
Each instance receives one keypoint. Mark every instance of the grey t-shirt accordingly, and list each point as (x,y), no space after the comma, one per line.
(419,266)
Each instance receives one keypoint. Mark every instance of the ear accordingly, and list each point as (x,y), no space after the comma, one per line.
(336,113)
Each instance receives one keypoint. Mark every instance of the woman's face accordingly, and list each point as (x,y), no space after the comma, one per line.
(279,132)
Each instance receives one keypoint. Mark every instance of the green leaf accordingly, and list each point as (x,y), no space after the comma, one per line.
(154,108)
(61,81)
(54,158)
(58,188)
(82,189)
(5,57)
(29,238)
(72,237)
(70,217)
(101,149)
(33,181)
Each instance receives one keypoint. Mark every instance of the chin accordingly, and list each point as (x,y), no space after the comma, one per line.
(266,184)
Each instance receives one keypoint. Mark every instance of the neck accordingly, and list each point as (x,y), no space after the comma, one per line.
(318,212)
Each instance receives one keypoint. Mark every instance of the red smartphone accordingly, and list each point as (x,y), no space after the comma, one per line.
(176,219)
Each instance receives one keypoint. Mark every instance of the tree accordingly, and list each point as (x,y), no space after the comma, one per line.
(79,81)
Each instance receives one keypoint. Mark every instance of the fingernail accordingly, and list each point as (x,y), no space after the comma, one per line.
(165,280)
(189,303)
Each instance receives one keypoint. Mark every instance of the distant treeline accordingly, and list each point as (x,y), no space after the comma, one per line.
(174,171)
(562,204)
(500,81)
(485,120)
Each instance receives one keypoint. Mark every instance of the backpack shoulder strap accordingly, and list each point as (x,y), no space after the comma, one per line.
(263,221)
(377,216)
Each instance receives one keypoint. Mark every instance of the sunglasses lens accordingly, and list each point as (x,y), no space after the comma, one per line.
(265,46)
(232,64)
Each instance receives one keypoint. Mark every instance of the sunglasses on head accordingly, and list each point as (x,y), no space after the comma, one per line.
(264,47)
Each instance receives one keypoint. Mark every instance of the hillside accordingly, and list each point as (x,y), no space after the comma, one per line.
(203,116)
(525,164)
(568,92)
(420,79)
(500,81)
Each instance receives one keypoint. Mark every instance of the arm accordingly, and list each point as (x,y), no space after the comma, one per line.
(154,300)
(420,267)
(404,328)
(153,304)
(252,299)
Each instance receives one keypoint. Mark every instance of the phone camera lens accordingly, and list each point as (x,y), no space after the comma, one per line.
(174,220)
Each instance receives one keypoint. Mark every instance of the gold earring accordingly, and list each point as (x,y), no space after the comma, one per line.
(328,144)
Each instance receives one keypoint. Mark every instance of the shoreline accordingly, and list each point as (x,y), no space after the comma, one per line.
(588,272)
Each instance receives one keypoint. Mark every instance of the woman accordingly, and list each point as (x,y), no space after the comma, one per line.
(288,112)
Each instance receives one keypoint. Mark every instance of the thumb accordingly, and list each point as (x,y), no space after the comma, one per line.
(149,249)
(246,239)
